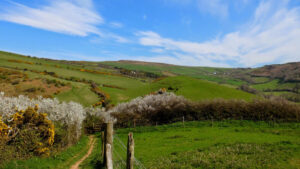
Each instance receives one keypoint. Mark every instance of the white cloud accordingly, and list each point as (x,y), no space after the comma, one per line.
(213,7)
(73,17)
(116,24)
(217,8)
(157,50)
(272,36)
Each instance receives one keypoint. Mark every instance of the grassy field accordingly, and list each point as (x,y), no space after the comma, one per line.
(202,144)
(126,88)
(228,76)
(227,144)
(61,160)
(196,89)
(205,73)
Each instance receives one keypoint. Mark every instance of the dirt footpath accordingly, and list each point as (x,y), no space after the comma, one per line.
(91,144)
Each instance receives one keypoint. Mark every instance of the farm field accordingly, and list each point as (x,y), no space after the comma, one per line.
(223,144)
(205,144)
(165,84)
(196,144)
(120,88)
(256,78)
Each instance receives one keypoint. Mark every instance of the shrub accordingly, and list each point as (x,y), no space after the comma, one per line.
(69,114)
(31,90)
(167,107)
(26,133)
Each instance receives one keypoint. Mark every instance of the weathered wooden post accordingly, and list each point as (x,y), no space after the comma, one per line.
(103,144)
(130,152)
(109,162)
(109,145)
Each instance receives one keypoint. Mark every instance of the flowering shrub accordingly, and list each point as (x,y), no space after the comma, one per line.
(4,130)
(30,119)
(69,114)
(156,107)
(164,107)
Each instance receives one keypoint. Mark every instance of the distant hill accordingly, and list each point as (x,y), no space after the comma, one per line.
(278,80)
(289,72)
(102,83)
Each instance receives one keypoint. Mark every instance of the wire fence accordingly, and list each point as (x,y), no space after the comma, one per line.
(120,155)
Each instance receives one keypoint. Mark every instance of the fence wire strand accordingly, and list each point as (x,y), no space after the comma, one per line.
(123,147)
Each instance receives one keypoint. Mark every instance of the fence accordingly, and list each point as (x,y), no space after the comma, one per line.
(115,153)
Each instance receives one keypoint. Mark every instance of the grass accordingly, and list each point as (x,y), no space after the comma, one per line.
(189,87)
(225,144)
(204,73)
(196,89)
(94,160)
(80,94)
(58,161)
(269,85)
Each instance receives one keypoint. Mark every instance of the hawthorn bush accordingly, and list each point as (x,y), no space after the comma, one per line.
(167,107)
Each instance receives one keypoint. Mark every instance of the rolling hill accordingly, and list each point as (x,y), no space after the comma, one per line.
(115,85)
(279,80)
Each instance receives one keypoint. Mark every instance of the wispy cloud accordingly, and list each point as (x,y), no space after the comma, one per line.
(66,16)
(73,17)
(214,7)
(116,24)
(272,35)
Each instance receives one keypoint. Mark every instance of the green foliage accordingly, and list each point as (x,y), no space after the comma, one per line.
(30,133)
(168,108)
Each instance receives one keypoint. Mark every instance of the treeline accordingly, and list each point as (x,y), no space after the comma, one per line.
(168,108)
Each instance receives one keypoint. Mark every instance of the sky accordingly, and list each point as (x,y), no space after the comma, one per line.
(215,33)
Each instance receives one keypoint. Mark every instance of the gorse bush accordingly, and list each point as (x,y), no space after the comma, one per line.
(25,134)
(71,114)
(167,107)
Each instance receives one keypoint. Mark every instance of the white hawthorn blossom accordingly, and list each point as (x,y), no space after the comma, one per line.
(150,103)
(70,113)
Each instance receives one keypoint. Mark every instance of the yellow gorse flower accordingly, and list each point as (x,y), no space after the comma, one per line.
(39,120)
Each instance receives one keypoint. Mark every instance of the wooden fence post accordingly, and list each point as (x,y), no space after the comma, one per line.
(109,162)
(130,152)
(109,143)
(103,144)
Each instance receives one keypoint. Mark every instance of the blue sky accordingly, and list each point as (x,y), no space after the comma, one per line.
(222,33)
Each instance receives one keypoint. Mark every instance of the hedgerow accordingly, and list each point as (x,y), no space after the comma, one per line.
(166,107)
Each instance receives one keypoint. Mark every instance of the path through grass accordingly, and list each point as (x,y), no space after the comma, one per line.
(62,160)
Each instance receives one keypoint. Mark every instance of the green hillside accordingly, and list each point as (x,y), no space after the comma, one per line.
(196,89)
(118,87)
(278,80)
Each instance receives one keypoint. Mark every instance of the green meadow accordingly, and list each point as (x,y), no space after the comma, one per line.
(202,144)
(127,87)
(207,144)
